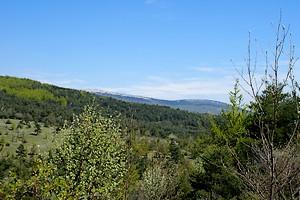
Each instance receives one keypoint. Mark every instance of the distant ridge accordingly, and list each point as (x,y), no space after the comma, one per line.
(192,105)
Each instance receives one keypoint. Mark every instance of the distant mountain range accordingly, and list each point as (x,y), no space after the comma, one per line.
(192,105)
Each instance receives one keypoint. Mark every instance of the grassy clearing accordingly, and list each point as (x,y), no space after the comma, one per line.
(16,133)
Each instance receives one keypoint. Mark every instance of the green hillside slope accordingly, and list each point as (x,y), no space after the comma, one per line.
(31,100)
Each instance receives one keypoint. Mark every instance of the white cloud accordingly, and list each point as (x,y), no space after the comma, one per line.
(64,83)
(58,79)
(180,89)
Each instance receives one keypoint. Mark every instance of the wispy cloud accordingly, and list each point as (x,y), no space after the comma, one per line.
(59,79)
(180,89)
(64,83)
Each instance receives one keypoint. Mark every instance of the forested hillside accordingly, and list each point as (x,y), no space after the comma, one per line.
(36,118)
(30,100)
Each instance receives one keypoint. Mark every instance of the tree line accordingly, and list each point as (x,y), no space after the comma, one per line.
(52,105)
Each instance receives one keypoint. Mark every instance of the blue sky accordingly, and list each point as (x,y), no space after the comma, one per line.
(169,49)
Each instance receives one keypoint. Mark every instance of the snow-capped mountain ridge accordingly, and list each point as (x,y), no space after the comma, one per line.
(192,105)
(115,93)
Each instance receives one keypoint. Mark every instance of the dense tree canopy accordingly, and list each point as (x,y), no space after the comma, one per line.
(63,103)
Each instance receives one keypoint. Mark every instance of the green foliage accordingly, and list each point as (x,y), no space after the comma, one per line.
(250,152)
(37,129)
(33,150)
(25,88)
(217,153)
(175,152)
(232,129)
(53,109)
(21,153)
(212,178)
(159,182)
(90,159)
(281,120)
(15,175)
(2,144)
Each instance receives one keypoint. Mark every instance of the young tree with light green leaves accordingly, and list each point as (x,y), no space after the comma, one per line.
(159,182)
(90,159)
